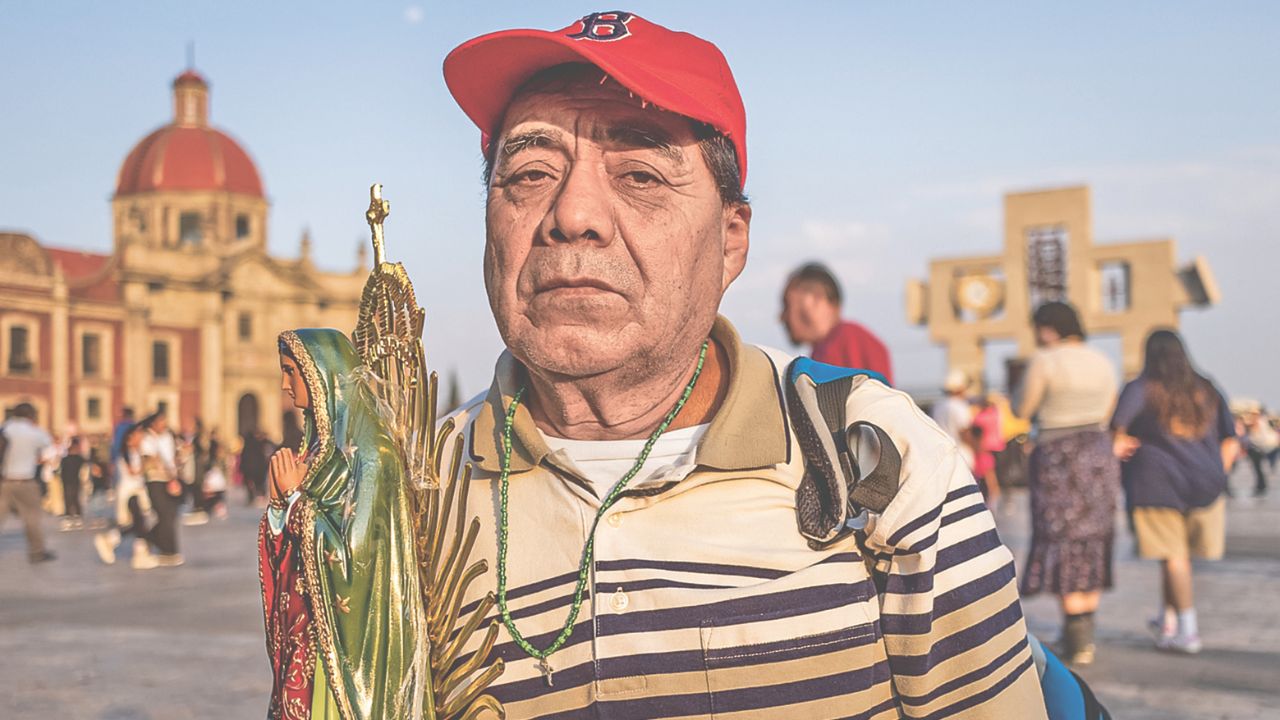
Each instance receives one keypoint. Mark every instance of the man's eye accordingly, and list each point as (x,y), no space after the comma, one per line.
(641,178)
(531,177)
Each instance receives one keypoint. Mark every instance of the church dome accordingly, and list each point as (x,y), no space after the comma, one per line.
(188,154)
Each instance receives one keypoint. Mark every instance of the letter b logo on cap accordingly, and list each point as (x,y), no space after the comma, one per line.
(604,26)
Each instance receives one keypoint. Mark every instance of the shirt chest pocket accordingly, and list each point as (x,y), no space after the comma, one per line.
(803,657)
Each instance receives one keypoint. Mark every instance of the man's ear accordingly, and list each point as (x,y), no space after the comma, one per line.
(737,240)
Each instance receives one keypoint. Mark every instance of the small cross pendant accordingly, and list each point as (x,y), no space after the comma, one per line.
(545,667)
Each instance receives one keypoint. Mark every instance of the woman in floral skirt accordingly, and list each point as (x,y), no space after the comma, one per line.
(1070,389)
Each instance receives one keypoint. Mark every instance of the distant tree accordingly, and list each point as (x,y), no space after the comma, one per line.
(455,392)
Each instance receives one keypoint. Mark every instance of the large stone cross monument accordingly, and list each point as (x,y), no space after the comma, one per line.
(1127,289)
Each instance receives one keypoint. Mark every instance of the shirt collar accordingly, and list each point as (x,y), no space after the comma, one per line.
(749,430)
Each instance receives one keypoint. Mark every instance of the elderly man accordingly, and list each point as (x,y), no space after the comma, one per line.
(636,469)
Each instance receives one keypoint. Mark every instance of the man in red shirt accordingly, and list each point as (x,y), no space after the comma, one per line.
(811,314)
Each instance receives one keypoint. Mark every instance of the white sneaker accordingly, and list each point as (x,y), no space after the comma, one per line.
(106,543)
(1179,643)
(142,557)
(1160,630)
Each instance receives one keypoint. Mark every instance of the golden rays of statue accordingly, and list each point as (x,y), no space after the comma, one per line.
(388,337)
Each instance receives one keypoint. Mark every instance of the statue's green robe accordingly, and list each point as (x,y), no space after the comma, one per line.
(345,623)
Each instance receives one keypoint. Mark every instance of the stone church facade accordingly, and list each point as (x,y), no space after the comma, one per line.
(182,315)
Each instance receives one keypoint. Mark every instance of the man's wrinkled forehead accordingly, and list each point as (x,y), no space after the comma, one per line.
(622,134)
(592,106)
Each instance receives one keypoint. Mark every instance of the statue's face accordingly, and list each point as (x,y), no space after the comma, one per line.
(608,245)
(292,383)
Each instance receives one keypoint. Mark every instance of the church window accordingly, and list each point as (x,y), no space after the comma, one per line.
(19,360)
(139,218)
(91,355)
(160,361)
(93,408)
(242,226)
(190,231)
(245,326)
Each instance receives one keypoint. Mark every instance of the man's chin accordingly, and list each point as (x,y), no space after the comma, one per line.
(574,350)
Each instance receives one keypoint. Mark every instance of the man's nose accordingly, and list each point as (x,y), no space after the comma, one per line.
(581,211)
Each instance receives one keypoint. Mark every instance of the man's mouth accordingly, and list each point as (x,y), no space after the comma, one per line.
(574,286)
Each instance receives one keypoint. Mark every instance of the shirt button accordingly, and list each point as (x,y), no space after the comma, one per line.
(619,601)
(614,519)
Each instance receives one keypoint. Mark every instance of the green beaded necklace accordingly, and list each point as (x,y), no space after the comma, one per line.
(584,566)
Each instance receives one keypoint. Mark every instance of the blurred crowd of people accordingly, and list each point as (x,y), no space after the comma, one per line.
(1164,444)
(143,482)
(1259,431)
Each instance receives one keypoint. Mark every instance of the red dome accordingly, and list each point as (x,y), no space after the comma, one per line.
(188,158)
(190,75)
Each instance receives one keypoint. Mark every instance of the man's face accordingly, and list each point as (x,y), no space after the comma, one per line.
(801,310)
(607,243)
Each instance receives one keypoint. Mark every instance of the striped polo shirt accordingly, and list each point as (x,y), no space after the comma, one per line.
(704,599)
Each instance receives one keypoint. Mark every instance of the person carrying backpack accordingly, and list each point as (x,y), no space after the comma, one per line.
(662,545)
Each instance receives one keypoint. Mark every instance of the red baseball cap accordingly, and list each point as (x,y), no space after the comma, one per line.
(676,71)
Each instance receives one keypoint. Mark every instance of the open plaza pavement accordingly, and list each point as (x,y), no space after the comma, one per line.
(84,641)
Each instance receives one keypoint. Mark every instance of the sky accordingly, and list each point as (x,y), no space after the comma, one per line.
(880,135)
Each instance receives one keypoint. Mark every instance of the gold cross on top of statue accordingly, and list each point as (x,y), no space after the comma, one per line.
(378,211)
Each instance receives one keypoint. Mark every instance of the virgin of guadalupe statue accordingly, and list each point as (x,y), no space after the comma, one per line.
(364,554)
(340,587)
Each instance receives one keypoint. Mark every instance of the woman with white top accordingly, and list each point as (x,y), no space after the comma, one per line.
(133,507)
(1070,389)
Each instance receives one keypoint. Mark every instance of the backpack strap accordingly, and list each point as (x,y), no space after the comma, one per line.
(850,469)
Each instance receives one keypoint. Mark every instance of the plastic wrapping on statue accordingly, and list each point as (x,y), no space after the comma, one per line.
(414,695)
(394,406)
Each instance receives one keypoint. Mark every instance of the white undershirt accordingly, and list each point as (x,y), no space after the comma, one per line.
(604,462)
(600,462)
